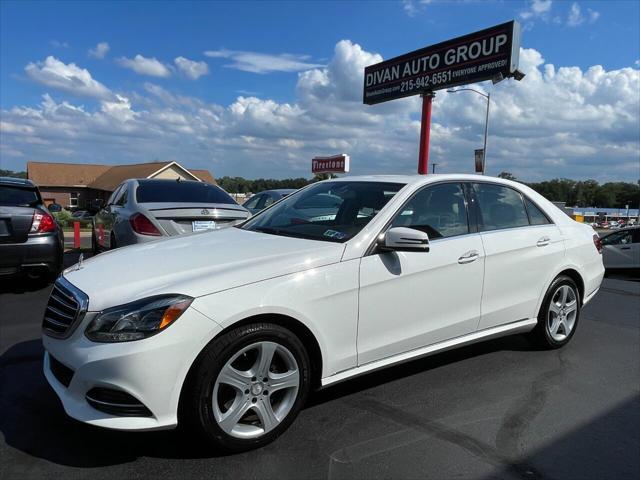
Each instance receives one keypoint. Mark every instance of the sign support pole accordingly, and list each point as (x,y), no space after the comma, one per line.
(425,130)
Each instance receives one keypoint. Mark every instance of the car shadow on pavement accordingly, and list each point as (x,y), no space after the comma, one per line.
(414,367)
(34,422)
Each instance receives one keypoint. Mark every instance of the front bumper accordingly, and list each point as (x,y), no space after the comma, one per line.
(152,371)
(38,252)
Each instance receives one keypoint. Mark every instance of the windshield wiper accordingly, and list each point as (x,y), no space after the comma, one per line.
(286,233)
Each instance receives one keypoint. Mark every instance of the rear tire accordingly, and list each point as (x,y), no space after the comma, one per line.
(559,314)
(112,241)
(246,387)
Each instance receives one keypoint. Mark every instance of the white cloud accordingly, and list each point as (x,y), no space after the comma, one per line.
(255,62)
(558,121)
(145,66)
(58,44)
(191,68)
(537,8)
(66,77)
(100,51)
(409,8)
(576,16)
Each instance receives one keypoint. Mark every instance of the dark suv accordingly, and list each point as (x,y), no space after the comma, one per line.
(31,241)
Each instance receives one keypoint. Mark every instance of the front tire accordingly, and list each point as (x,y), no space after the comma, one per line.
(559,314)
(247,387)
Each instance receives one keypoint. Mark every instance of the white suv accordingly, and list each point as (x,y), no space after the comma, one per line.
(228,331)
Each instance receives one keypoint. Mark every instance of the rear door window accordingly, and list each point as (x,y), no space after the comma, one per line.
(500,207)
(18,197)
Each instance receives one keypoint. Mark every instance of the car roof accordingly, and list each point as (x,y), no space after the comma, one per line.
(425,179)
(165,180)
(20,182)
(625,229)
(281,191)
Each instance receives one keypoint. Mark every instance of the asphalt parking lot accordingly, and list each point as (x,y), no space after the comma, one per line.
(501,409)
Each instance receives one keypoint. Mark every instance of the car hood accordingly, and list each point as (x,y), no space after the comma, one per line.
(195,265)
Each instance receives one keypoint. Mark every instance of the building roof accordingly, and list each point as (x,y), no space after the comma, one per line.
(100,177)
(48,174)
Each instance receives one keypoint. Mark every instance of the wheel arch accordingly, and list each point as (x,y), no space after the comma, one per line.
(570,272)
(298,328)
(576,277)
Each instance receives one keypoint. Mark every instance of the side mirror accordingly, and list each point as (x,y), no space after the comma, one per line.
(403,239)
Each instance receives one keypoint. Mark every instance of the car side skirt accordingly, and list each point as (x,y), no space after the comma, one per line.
(520,326)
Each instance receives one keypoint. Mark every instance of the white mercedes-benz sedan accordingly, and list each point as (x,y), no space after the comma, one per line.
(228,331)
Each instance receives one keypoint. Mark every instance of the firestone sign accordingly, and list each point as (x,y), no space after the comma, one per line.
(488,54)
(334,164)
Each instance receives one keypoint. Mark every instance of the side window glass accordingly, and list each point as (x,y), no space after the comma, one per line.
(439,211)
(636,235)
(536,216)
(253,201)
(114,195)
(122,200)
(268,201)
(118,198)
(611,239)
(500,207)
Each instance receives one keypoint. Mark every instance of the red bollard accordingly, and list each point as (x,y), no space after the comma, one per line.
(76,235)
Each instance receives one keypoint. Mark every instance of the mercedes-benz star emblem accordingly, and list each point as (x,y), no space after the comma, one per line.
(204,212)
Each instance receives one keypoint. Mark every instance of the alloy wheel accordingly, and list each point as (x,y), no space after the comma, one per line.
(562,314)
(255,390)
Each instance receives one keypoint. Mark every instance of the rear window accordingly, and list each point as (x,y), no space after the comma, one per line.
(181,192)
(18,197)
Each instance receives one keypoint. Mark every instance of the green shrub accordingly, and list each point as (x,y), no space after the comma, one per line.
(63,218)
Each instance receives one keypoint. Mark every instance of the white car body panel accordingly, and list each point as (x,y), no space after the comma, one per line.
(399,289)
(364,313)
(513,254)
(196,264)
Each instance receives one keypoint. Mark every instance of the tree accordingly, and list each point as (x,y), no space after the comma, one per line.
(11,173)
(507,176)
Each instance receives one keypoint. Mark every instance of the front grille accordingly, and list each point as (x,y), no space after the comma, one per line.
(62,373)
(66,306)
(116,402)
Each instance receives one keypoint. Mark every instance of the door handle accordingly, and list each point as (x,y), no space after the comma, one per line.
(470,256)
(625,248)
(543,242)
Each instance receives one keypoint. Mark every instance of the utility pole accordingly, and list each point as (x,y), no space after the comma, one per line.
(433,167)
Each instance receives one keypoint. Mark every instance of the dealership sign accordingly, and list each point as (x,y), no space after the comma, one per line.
(334,164)
(490,54)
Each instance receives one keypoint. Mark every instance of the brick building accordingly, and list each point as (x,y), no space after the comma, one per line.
(80,186)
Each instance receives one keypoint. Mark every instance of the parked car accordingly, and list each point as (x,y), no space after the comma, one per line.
(139,211)
(81,215)
(31,242)
(621,249)
(227,333)
(262,200)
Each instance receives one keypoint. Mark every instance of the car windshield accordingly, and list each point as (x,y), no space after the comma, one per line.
(329,211)
(18,197)
(181,192)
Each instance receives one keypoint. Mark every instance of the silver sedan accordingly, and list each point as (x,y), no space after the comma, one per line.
(147,209)
(621,249)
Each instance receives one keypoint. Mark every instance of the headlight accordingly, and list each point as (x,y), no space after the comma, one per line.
(137,320)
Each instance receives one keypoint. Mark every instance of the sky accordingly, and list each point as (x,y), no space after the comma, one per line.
(256,89)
